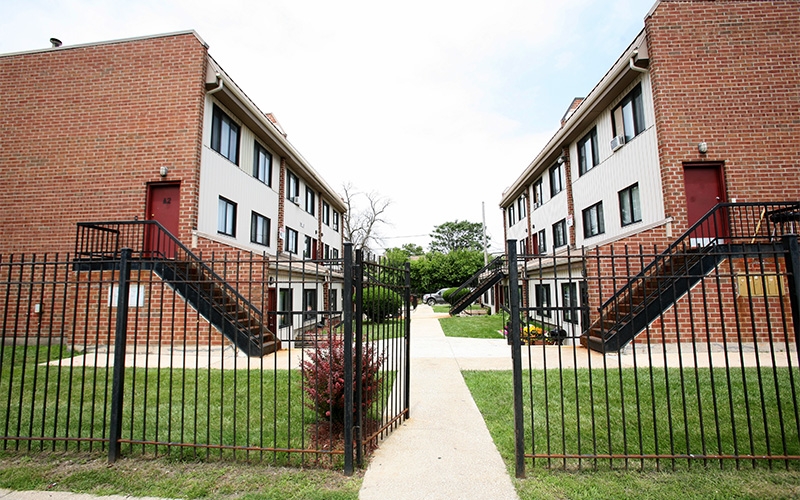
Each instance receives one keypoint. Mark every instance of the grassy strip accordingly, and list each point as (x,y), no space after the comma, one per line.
(697,481)
(476,327)
(173,479)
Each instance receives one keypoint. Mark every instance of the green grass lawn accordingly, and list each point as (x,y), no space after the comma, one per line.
(493,395)
(477,327)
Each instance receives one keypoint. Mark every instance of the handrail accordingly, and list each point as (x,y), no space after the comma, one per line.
(496,264)
(692,232)
(141,251)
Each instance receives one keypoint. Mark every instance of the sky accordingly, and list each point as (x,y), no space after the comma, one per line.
(436,106)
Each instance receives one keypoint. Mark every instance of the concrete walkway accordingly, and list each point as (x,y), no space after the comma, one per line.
(444,450)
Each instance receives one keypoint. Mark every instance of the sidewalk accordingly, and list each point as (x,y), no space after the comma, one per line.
(444,449)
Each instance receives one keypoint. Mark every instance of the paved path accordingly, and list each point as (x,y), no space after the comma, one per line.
(444,451)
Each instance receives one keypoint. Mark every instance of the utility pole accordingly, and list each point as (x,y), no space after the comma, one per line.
(485,242)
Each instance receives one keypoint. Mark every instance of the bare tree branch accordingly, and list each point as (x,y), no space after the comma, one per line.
(361,225)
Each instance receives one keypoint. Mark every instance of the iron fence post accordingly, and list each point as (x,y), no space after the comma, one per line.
(792,247)
(358,272)
(516,358)
(348,358)
(407,357)
(118,382)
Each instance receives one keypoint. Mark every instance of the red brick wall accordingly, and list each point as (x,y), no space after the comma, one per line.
(726,73)
(86,128)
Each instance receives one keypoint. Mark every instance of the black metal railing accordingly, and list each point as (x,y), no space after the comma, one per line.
(478,283)
(713,380)
(695,253)
(70,359)
(154,247)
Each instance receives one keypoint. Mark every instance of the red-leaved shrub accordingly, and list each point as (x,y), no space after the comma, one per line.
(323,376)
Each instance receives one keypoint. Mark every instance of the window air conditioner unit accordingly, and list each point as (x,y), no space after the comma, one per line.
(296,200)
(536,204)
(617,142)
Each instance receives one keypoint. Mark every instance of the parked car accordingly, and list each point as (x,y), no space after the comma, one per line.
(435,297)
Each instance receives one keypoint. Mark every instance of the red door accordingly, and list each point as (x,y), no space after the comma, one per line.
(704,189)
(163,205)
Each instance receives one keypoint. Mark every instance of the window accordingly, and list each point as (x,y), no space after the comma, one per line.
(510,211)
(542,293)
(521,209)
(333,297)
(259,229)
(542,241)
(226,217)
(292,187)
(311,199)
(262,165)
(538,193)
(569,300)
(326,213)
(334,253)
(560,233)
(224,135)
(307,248)
(588,158)
(326,252)
(291,240)
(556,179)
(630,210)
(593,221)
(309,304)
(523,247)
(627,119)
(285,304)
(336,221)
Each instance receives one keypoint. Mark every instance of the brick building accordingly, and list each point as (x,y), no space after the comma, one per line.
(153,129)
(701,108)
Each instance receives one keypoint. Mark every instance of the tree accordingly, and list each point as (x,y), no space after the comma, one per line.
(458,235)
(437,270)
(360,224)
(412,249)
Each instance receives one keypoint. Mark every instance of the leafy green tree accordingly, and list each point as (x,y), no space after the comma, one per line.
(412,249)
(437,270)
(457,235)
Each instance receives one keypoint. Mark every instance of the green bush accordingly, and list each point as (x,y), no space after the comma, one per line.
(380,303)
(451,297)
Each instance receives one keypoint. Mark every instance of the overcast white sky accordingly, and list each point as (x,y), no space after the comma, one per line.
(437,105)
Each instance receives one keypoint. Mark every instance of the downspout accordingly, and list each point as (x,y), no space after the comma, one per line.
(633,66)
(219,86)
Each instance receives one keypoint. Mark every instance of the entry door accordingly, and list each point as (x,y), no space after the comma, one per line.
(163,205)
(704,189)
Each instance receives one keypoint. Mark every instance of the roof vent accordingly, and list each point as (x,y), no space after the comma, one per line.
(55,42)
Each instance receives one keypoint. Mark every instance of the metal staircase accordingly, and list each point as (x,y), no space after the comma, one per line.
(154,248)
(729,229)
(478,284)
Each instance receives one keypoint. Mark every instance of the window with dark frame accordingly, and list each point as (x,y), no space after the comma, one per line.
(542,297)
(309,304)
(262,165)
(569,300)
(291,240)
(259,229)
(226,217)
(593,223)
(335,221)
(292,186)
(542,241)
(588,157)
(560,233)
(630,210)
(510,211)
(538,193)
(224,135)
(521,209)
(627,118)
(311,201)
(556,179)
(285,303)
(326,213)
(307,248)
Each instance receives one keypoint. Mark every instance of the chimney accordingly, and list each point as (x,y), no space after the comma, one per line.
(55,42)
(572,107)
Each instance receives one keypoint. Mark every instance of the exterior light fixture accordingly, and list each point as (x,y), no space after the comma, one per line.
(163,171)
(703,148)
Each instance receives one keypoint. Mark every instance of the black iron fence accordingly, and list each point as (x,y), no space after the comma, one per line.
(104,352)
(708,374)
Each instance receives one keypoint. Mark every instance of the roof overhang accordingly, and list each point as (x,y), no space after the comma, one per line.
(627,68)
